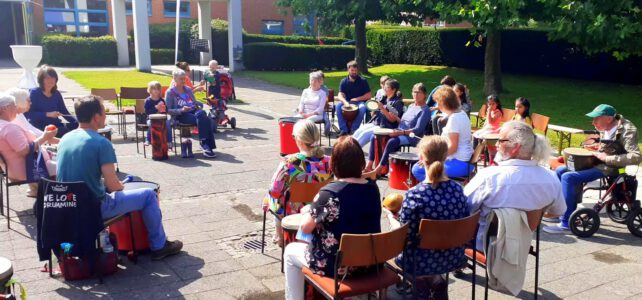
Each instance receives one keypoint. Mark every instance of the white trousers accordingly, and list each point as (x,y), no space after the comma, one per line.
(294,260)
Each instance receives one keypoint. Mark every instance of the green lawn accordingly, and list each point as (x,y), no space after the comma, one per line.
(564,100)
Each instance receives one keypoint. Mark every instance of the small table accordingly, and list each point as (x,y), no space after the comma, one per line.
(564,134)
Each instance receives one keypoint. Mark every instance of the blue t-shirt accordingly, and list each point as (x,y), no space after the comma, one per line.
(81,154)
(353,89)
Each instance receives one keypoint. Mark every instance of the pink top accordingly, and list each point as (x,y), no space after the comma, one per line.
(14,138)
(493,120)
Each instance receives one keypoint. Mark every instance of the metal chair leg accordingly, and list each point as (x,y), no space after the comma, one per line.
(2,178)
(536,262)
(144,150)
(137,149)
(263,234)
(8,206)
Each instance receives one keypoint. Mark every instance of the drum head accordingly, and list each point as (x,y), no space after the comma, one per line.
(6,270)
(491,136)
(350,107)
(577,152)
(289,119)
(105,129)
(157,117)
(383,131)
(292,222)
(406,156)
(133,185)
(372,105)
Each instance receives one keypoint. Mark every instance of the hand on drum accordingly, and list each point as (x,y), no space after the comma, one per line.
(397,133)
(53,114)
(186,109)
(600,155)
(380,105)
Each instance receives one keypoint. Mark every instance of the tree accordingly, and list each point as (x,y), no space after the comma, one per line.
(334,13)
(599,26)
(488,18)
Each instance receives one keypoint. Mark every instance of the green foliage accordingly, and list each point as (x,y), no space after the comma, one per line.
(65,50)
(291,39)
(163,56)
(163,36)
(403,45)
(279,56)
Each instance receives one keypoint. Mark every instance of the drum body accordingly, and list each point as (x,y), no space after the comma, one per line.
(122,228)
(579,159)
(400,170)
(288,145)
(382,135)
(158,136)
(290,225)
(106,132)
(349,113)
(372,105)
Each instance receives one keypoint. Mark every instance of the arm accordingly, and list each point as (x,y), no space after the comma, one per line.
(558,206)
(150,108)
(34,114)
(365,97)
(420,126)
(307,225)
(172,105)
(476,191)
(321,108)
(300,107)
(389,116)
(632,155)
(60,103)
(111,179)
(453,142)
(317,213)
(278,185)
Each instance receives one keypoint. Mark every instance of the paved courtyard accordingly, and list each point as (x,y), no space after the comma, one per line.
(212,205)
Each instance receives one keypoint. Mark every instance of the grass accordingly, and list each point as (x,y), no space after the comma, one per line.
(564,100)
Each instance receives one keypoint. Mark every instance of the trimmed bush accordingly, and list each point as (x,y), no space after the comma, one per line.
(65,50)
(291,39)
(163,56)
(163,36)
(287,57)
(404,46)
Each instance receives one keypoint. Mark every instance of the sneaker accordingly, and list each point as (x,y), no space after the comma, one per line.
(146,144)
(557,229)
(551,220)
(169,249)
(209,153)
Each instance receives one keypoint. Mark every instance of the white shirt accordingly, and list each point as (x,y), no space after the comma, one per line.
(22,122)
(609,134)
(514,183)
(312,101)
(459,123)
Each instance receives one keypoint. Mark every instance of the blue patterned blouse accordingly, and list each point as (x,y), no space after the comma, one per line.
(445,202)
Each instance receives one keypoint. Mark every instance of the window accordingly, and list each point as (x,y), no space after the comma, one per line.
(86,17)
(272,27)
(169,9)
(303,25)
(129,10)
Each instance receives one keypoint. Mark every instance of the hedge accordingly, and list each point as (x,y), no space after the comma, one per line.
(65,50)
(287,57)
(523,51)
(163,36)
(291,39)
(163,56)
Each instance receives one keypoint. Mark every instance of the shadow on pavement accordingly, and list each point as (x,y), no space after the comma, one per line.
(241,133)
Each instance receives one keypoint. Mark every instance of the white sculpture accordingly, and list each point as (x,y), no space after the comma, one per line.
(28,57)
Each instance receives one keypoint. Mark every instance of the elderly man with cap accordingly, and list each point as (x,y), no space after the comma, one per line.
(616,148)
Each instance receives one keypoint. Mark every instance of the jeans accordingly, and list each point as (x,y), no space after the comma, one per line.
(572,182)
(118,203)
(393,145)
(204,125)
(364,133)
(343,126)
(169,131)
(294,260)
(452,168)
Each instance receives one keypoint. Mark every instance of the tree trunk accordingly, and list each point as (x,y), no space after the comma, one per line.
(492,63)
(361,49)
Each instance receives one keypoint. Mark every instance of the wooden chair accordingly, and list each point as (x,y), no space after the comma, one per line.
(540,122)
(110,95)
(479,115)
(474,160)
(131,93)
(534,219)
(507,114)
(361,250)
(141,123)
(299,192)
(4,178)
(445,235)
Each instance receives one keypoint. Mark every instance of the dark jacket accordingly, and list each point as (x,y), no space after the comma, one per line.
(623,150)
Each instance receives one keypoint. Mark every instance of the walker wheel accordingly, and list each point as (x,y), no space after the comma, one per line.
(584,222)
(233,122)
(618,211)
(635,222)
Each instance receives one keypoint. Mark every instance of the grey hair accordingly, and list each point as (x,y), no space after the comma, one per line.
(177,73)
(316,75)
(308,133)
(6,100)
(535,146)
(21,97)
(213,61)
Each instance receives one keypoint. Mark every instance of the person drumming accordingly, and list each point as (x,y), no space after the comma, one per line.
(353,89)
(84,155)
(616,148)
(388,114)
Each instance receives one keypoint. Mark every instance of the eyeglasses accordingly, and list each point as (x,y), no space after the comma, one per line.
(502,141)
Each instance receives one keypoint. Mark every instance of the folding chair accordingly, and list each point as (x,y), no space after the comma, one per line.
(110,95)
(131,93)
(4,176)
(540,122)
(141,123)
(474,160)
(534,219)
(361,250)
(300,192)
(507,114)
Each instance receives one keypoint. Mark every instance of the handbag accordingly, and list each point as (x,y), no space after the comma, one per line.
(35,164)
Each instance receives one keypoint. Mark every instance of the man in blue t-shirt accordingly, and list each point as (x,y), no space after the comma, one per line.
(353,89)
(84,155)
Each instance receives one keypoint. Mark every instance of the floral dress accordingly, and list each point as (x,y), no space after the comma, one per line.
(295,167)
(340,208)
(445,202)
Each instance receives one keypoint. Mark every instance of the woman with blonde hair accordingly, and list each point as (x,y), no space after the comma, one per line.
(435,198)
(309,165)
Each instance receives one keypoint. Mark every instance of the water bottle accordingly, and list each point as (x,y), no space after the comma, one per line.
(104,242)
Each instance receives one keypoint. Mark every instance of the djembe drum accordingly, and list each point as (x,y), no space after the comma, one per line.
(382,136)
(158,136)
(349,113)
(579,159)
(122,228)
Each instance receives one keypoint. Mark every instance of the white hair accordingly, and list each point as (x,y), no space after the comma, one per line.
(6,100)
(212,62)
(533,145)
(316,75)
(21,97)
(178,73)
